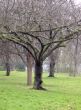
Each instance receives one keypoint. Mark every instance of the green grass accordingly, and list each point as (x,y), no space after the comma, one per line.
(63,93)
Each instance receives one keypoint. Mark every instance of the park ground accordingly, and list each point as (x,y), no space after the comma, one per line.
(63,93)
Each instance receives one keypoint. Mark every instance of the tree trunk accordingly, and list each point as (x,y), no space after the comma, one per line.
(53,58)
(29,74)
(52,68)
(29,69)
(7,63)
(38,75)
(52,65)
(7,69)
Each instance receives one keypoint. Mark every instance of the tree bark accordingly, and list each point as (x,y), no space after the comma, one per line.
(29,74)
(7,69)
(7,63)
(53,58)
(52,68)
(29,69)
(38,75)
(52,65)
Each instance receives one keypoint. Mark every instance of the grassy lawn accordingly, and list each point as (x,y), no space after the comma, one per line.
(63,93)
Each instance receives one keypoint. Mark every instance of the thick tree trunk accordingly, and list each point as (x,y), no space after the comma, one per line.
(7,69)
(52,68)
(38,75)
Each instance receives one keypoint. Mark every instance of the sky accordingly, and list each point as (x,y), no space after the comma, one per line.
(77,2)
